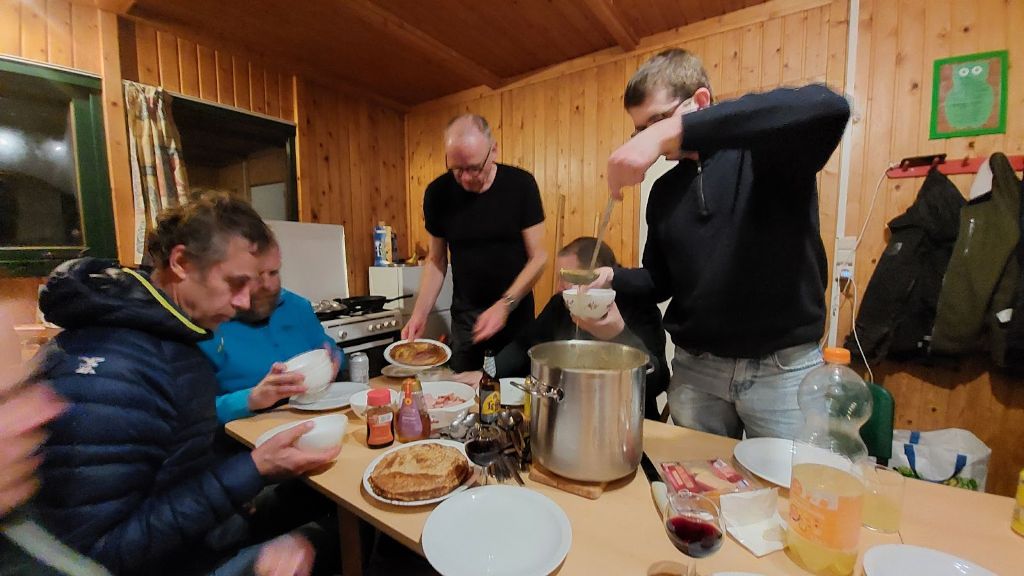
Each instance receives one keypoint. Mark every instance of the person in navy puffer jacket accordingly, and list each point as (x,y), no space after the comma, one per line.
(129,475)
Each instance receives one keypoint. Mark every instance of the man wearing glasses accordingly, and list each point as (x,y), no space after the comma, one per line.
(490,218)
(733,240)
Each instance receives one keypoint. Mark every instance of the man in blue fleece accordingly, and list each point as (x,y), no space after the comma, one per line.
(733,239)
(248,353)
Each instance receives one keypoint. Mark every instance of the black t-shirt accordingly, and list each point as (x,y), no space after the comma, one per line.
(484,231)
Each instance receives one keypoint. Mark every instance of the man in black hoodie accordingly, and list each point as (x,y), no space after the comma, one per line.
(733,240)
(129,476)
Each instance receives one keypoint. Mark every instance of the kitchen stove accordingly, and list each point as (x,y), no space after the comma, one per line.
(369,332)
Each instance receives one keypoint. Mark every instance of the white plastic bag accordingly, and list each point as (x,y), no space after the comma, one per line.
(952,456)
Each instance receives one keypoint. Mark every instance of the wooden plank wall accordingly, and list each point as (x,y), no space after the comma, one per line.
(351,170)
(562,124)
(898,42)
(51,31)
(207,71)
(351,161)
(54,32)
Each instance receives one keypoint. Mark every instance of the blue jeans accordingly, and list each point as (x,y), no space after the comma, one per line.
(730,396)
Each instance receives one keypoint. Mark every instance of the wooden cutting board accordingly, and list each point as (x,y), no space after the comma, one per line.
(590,490)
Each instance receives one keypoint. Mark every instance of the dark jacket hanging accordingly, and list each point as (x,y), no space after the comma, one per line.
(898,309)
(1014,355)
(982,277)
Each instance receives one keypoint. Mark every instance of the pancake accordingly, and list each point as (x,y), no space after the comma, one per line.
(418,354)
(419,472)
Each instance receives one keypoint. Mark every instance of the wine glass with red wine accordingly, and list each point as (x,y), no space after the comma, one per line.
(484,447)
(693,524)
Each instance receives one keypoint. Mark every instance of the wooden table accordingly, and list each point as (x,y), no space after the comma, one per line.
(621,533)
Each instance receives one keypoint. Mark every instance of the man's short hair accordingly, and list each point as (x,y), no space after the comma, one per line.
(676,69)
(476,120)
(583,249)
(205,226)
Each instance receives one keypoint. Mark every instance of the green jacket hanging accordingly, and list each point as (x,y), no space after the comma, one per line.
(980,282)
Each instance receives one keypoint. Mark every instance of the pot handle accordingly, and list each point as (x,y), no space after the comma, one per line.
(649,368)
(535,387)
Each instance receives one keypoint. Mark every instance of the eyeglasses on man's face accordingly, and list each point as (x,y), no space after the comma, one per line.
(655,118)
(473,170)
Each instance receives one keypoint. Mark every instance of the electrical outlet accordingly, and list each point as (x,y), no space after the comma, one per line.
(846,255)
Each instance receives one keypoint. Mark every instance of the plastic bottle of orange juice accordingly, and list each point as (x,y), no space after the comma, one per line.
(826,496)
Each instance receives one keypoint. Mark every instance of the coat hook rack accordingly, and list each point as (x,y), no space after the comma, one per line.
(918,166)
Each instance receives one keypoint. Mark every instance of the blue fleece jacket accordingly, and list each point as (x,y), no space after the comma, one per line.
(242,353)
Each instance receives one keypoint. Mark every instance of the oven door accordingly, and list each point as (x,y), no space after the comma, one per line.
(373,346)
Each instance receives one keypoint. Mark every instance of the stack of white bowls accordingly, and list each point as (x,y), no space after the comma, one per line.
(317,369)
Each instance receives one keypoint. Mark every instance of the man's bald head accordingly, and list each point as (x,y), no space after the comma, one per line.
(470,152)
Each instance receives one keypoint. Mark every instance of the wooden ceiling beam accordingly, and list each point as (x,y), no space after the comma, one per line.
(115,6)
(614,22)
(423,43)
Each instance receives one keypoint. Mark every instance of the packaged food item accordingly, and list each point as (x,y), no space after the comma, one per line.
(711,478)
(412,421)
(380,420)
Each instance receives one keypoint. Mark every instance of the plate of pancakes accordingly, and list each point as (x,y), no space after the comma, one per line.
(418,473)
(420,353)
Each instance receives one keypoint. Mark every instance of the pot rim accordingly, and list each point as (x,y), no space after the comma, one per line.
(644,357)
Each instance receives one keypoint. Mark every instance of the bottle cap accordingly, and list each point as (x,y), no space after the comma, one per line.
(378,397)
(836,355)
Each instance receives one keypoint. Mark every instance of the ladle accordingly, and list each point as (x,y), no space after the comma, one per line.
(578,277)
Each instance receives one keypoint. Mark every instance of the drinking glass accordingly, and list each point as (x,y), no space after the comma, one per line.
(484,447)
(883,499)
(693,524)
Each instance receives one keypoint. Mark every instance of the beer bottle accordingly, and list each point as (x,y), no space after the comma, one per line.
(490,391)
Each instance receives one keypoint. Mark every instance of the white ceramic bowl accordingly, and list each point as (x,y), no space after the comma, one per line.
(442,417)
(317,369)
(328,432)
(594,303)
(359,406)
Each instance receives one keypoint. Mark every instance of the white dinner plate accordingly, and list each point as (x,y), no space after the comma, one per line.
(447,353)
(373,465)
(510,395)
(498,531)
(769,458)
(335,396)
(901,559)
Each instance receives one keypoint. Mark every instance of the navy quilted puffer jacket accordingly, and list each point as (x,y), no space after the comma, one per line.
(129,474)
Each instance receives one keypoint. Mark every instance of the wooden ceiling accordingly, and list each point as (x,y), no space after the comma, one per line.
(413,51)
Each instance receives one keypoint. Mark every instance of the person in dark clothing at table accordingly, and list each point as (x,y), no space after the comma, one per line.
(733,239)
(631,321)
(490,218)
(129,476)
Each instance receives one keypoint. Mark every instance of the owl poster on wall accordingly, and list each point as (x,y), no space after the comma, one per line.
(969,95)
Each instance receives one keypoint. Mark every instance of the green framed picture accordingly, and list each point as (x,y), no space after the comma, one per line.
(969,95)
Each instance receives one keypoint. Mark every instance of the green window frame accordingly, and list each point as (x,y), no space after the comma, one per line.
(94,197)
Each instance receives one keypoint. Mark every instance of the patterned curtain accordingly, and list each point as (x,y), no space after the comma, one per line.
(159,179)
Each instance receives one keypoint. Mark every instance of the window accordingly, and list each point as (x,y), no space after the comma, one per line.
(249,155)
(55,199)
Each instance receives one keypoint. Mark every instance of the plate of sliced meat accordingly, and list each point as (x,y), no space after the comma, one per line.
(419,353)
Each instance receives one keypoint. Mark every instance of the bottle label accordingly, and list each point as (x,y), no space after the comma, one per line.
(379,429)
(490,406)
(824,517)
(410,424)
